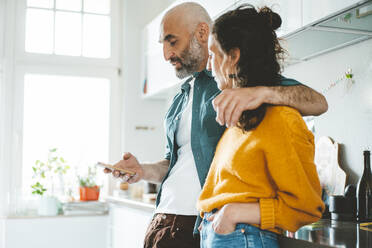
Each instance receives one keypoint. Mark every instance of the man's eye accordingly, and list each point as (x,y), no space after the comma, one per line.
(172,43)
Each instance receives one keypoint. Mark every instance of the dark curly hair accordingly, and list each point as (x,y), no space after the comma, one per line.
(253,32)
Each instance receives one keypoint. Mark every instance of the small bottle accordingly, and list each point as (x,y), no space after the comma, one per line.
(364,191)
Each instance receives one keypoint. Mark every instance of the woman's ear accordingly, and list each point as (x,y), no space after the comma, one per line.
(234,56)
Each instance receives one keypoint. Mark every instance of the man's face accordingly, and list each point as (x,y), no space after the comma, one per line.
(180,47)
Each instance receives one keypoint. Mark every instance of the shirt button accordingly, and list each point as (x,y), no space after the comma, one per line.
(177,118)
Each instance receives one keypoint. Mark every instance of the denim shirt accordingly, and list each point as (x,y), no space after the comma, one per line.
(205,131)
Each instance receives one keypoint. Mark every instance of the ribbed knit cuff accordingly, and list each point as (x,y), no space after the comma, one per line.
(267,213)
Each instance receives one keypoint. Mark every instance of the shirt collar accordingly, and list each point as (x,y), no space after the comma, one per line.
(186,85)
(205,71)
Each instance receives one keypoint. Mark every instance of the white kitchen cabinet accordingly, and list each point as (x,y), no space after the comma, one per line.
(2,28)
(128,225)
(56,232)
(313,10)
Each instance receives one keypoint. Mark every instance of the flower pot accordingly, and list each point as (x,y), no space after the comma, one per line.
(89,193)
(48,206)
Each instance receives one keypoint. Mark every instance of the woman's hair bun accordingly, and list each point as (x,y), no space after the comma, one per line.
(272,18)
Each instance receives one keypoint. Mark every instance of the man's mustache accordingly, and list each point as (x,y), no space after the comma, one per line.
(176,59)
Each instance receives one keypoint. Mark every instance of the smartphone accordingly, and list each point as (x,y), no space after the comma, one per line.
(103,165)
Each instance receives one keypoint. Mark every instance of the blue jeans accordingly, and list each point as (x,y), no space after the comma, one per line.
(244,236)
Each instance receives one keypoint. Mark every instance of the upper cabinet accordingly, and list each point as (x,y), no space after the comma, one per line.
(314,10)
(338,29)
(312,16)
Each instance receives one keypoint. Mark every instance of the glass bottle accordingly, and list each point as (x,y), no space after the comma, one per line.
(364,191)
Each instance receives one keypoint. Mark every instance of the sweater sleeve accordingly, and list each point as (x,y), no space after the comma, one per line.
(290,163)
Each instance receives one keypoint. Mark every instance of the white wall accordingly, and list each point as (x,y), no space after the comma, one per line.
(147,145)
(349,118)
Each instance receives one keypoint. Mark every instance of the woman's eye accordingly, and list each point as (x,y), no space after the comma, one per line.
(172,43)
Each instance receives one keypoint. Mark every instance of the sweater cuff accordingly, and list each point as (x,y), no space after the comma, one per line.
(267,213)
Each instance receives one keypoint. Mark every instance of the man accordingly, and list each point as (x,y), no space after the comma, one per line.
(191,127)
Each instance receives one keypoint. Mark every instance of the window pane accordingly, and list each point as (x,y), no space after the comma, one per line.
(67,113)
(69,5)
(96,36)
(40,3)
(68,33)
(39,31)
(97,6)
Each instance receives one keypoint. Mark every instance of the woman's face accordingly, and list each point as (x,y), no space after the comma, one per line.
(219,64)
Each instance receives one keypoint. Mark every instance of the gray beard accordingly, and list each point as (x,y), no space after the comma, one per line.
(191,57)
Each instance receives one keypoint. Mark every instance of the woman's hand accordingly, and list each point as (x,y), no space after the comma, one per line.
(223,221)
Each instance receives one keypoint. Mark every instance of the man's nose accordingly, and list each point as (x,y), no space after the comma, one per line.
(168,53)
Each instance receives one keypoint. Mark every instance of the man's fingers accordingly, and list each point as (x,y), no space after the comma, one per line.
(127,155)
(125,177)
(220,110)
(116,173)
(133,179)
(235,115)
(228,112)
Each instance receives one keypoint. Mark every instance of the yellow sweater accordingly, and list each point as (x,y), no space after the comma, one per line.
(273,165)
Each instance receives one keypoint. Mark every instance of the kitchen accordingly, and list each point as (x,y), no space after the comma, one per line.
(122,88)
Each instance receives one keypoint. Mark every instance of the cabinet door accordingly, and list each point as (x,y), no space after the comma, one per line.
(128,226)
(313,10)
(2,28)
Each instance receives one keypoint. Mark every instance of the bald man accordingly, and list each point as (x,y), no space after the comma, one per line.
(193,127)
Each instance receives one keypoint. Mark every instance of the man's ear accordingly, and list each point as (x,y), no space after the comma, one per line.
(202,32)
(234,55)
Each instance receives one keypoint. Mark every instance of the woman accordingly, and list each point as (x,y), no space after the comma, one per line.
(262,180)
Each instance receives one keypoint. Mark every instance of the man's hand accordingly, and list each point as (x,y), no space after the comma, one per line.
(129,162)
(223,221)
(230,104)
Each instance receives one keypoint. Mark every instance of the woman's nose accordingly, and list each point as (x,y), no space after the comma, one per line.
(209,64)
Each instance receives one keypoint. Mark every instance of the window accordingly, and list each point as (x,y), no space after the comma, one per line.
(69,27)
(60,87)
(67,113)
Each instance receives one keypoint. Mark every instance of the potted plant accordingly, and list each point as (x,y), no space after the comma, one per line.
(44,173)
(89,190)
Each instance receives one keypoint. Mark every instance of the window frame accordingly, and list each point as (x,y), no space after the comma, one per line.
(24,56)
(15,63)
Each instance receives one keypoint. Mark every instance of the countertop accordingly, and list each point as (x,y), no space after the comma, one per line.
(327,233)
(132,202)
(324,233)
